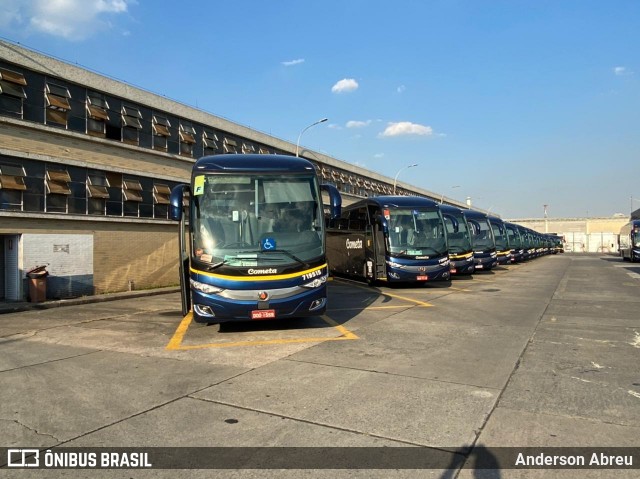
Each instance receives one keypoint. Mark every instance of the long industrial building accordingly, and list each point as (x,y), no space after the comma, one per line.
(86,167)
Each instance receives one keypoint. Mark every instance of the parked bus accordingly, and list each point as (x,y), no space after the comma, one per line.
(515,242)
(503,249)
(557,243)
(459,240)
(256,238)
(484,246)
(630,241)
(528,249)
(390,238)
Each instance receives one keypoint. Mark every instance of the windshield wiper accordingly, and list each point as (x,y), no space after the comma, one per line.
(216,265)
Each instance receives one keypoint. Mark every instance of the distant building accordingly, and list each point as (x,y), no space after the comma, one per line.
(596,235)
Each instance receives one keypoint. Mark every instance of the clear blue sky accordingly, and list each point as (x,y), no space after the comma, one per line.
(516,103)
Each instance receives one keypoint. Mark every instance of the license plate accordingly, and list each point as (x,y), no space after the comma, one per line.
(263,314)
(422,278)
(478,266)
(454,271)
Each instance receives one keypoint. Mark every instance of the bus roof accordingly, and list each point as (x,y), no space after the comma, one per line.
(396,201)
(451,209)
(234,163)
(475,214)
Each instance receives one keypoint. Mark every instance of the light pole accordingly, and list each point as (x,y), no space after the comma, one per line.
(442,197)
(305,129)
(546,221)
(395,180)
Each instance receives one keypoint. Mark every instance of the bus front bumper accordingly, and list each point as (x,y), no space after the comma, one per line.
(485,263)
(405,273)
(214,308)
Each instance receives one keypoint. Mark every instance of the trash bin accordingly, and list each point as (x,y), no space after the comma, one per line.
(38,284)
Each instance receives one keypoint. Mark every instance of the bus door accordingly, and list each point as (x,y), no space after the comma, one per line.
(379,244)
(177,214)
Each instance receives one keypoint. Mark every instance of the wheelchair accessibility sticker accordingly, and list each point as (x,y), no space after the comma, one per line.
(268,244)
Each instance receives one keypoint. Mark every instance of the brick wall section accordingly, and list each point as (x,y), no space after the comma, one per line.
(146,256)
(144,252)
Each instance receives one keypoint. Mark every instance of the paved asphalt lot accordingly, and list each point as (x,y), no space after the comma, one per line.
(545,353)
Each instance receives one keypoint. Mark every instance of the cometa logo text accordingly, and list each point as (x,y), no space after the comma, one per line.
(263,271)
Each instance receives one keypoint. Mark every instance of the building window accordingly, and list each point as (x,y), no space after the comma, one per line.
(132,195)
(131,125)
(161,132)
(12,94)
(161,195)
(97,193)
(248,148)
(210,143)
(58,106)
(58,191)
(264,150)
(11,187)
(187,139)
(97,115)
(230,146)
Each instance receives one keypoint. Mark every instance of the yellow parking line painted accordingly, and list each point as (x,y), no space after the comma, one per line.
(267,342)
(384,293)
(176,340)
(411,300)
(346,334)
(370,308)
(175,344)
(464,290)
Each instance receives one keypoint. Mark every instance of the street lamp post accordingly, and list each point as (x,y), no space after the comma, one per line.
(395,180)
(442,197)
(305,129)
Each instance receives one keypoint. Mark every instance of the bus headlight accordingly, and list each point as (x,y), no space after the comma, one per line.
(316,283)
(395,265)
(204,287)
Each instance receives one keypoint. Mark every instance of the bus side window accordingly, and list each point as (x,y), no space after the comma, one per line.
(357,225)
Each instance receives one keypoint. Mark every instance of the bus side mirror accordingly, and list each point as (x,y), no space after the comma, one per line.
(335,200)
(382,222)
(176,201)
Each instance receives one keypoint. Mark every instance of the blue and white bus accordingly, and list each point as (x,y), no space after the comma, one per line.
(255,246)
(501,238)
(484,245)
(515,242)
(459,240)
(390,238)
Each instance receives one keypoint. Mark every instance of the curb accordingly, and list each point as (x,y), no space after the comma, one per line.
(7,308)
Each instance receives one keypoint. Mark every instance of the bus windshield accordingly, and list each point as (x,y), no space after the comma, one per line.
(500,236)
(514,238)
(253,220)
(416,232)
(457,233)
(482,234)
